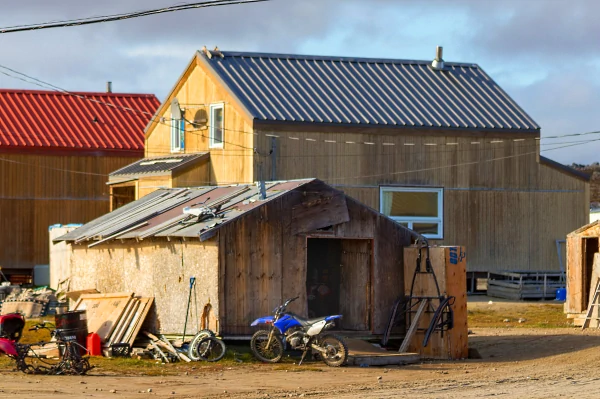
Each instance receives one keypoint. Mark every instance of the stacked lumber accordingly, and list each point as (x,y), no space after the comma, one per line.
(117,317)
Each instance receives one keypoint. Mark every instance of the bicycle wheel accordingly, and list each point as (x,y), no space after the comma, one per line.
(211,349)
(193,348)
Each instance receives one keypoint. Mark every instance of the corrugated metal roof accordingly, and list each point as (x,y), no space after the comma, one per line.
(160,213)
(364,91)
(159,165)
(91,121)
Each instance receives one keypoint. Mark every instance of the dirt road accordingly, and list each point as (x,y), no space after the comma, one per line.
(516,363)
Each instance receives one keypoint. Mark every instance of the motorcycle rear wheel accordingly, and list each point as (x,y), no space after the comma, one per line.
(258,346)
(336,354)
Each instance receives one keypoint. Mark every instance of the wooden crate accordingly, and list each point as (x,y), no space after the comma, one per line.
(450,267)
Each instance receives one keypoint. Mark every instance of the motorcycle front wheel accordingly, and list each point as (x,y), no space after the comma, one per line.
(258,346)
(336,351)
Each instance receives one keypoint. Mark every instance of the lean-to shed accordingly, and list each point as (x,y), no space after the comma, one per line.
(583,269)
(248,251)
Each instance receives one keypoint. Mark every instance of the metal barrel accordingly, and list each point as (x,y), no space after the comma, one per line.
(72,326)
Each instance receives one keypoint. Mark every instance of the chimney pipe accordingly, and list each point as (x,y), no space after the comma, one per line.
(109,87)
(438,62)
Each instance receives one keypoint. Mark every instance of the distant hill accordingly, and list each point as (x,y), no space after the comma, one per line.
(594,170)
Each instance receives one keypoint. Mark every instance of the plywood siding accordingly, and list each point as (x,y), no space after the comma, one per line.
(37,191)
(196,91)
(498,200)
(159,269)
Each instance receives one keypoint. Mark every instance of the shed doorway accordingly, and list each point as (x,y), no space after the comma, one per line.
(338,280)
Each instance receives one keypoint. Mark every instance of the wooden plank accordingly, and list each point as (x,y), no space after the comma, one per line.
(355,285)
(456,286)
(139,319)
(318,212)
(174,351)
(124,322)
(413,325)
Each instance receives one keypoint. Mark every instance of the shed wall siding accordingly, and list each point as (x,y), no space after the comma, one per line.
(159,269)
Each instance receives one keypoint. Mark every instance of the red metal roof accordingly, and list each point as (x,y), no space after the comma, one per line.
(33,119)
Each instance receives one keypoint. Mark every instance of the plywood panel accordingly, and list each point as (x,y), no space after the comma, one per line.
(449,265)
(575,275)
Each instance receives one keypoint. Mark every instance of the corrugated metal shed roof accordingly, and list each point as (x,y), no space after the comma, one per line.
(160,213)
(91,121)
(365,91)
(159,165)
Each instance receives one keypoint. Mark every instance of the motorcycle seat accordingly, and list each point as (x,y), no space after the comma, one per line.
(308,322)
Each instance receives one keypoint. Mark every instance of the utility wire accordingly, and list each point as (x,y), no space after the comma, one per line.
(335,178)
(124,16)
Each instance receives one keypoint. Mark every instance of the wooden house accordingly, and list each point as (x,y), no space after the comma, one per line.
(56,151)
(248,252)
(438,146)
(583,270)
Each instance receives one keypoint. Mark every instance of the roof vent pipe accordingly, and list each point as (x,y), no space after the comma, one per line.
(438,62)
(109,87)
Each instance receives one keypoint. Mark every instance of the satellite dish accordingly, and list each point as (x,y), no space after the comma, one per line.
(176,109)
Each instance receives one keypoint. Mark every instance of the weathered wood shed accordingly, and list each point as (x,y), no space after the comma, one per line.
(583,269)
(248,252)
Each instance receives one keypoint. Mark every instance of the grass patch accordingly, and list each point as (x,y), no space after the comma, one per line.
(536,315)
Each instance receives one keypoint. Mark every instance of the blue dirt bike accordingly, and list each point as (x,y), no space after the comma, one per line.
(301,334)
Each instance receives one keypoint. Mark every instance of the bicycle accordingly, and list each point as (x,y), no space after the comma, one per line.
(29,361)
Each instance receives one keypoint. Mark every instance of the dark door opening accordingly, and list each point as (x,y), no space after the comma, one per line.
(338,280)
(323,276)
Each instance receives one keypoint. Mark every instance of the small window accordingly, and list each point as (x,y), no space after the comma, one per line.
(177,134)
(216,126)
(419,209)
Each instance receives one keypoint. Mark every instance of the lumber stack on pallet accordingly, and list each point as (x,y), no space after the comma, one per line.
(117,318)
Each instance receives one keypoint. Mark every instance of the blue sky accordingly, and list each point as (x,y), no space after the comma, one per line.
(544,53)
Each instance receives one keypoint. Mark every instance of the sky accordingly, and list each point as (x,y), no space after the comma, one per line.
(544,53)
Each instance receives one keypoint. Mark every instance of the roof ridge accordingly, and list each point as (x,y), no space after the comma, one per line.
(376,60)
(68,93)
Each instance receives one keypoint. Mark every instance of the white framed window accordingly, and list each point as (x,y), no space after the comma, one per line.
(217,121)
(419,208)
(177,134)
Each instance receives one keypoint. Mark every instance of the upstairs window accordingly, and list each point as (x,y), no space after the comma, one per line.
(216,126)
(418,208)
(177,134)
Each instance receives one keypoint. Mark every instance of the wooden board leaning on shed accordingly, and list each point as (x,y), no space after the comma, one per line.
(116,318)
(450,266)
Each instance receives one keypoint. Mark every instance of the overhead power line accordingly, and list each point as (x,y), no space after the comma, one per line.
(124,16)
